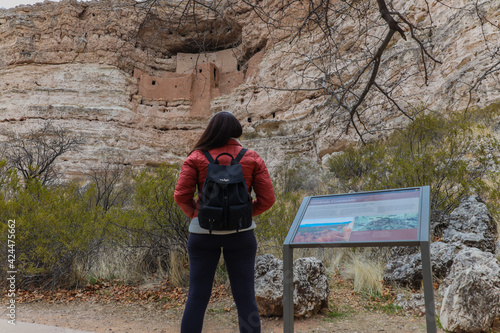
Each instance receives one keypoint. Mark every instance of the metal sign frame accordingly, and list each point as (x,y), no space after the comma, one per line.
(422,240)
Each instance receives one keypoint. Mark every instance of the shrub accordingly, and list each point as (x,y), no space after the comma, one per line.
(449,153)
(55,230)
(298,175)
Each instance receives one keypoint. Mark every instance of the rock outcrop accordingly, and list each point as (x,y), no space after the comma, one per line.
(464,259)
(414,304)
(469,225)
(310,286)
(269,285)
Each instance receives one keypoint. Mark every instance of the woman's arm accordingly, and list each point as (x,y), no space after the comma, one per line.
(186,187)
(263,188)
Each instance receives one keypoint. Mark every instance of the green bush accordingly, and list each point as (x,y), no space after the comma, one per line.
(448,153)
(61,233)
(55,230)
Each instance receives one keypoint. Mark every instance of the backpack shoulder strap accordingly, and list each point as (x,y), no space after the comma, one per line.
(240,155)
(208,156)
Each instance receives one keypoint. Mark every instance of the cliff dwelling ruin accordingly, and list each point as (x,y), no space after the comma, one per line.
(198,79)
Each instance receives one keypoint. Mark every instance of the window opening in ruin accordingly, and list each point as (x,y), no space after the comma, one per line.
(238,67)
(200,70)
(215,75)
(153,83)
(274,114)
(249,119)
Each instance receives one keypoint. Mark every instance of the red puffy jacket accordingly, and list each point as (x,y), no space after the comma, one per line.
(194,172)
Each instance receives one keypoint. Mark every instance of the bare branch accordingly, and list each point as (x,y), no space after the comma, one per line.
(34,154)
(391,22)
(371,81)
(392,101)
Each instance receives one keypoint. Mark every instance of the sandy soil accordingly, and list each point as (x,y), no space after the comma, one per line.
(220,318)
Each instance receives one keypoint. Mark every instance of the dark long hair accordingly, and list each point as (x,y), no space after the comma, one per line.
(221,127)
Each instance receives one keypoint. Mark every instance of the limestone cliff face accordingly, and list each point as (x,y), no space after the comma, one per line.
(144,91)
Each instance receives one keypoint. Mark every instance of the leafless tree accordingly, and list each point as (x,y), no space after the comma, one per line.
(34,153)
(110,179)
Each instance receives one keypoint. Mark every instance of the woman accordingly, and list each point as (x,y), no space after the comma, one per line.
(238,247)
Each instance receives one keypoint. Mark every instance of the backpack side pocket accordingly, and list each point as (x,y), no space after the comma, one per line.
(241,215)
(210,218)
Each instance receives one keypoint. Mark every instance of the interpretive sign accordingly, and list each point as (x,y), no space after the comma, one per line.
(397,217)
(362,217)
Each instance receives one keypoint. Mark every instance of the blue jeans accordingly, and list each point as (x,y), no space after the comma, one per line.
(239,250)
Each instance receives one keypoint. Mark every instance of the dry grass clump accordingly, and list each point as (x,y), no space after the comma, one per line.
(364,267)
(115,263)
(367,274)
(128,264)
(178,270)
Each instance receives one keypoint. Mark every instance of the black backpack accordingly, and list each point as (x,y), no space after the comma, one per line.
(225,203)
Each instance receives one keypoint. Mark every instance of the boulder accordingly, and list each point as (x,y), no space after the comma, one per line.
(269,285)
(469,225)
(472,225)
(310,286)
(471,292)
(406,268)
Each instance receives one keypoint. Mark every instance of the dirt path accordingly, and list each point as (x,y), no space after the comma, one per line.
(156,306)
(220,318)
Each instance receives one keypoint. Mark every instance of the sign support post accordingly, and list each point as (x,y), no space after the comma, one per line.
(287,289)
(430,312)
(425,252)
